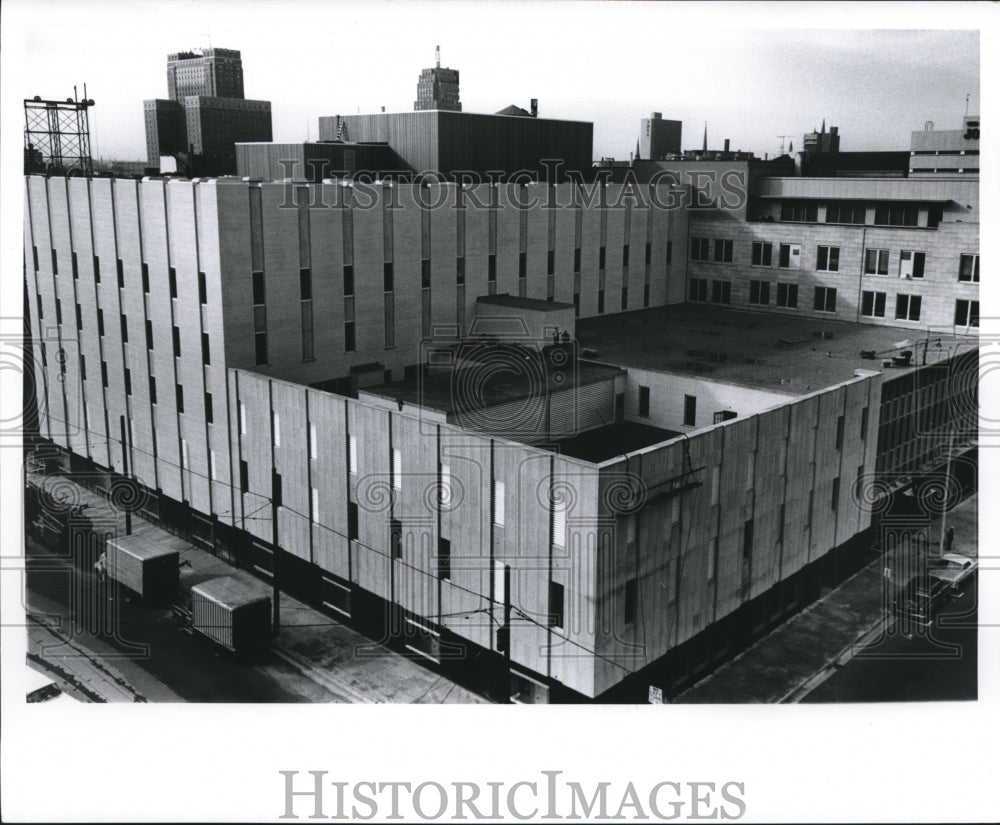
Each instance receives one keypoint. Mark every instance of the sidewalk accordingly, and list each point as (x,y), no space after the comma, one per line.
(331,654)
(796,657)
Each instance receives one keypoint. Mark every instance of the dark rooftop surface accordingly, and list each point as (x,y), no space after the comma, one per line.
(500,375)
(607,442)
(780,353)
(523,303)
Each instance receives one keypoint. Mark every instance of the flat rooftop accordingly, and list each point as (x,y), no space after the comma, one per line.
(501,376)
(619,438)
(781,353)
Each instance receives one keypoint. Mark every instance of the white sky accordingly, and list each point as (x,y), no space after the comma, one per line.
(608,63)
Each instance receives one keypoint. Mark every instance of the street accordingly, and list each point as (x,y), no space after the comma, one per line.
(125,651)
(937,663)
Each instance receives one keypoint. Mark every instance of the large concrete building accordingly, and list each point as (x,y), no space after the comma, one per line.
(659,138)
(206,114)
(947,151)
(389,404)
(438,88)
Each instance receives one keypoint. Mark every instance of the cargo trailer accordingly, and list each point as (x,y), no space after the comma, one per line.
(231,613)
(150,570)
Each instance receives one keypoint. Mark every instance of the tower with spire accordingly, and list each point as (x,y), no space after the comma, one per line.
(438,88)
(821,142)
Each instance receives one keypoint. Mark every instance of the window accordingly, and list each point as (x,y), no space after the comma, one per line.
(690,405)
(966,313)
(631,591)
(713,551)
(576,259)
(348,279)
(387,277)
(180,398)
(699,249)
(55,263)
(177,342)
(789,255)
(911,264)
(276,428)
(835,494)
(444,559)
(649,253)
(258,288)
(425,272)
(873,304)
(244,477)
(876,262)
(460,270)
(716,481)
(559,522)
(152,389)
(104,374)
(624,298)
(313,447)
(100,321)
(747,539)
(825,299)
(645,295)
(83,368)
(128,382)
(551,261)
(907,307)
(260,347)
(276,488)
(206,356)
(499,503)
(845,212)
(172,278)
(895,215)
(397,469)
(79,318)
(864,423)
(73,265)
(697,289)
(723,251)
(97,270)
(787,296)
(670,250)
(243,418)
(349,342)
(600,300)
(314,505)
(644,402)
(145,277)
(522,265)
(799,211)
(209,412)
(352,521)
(600,257)
(202,289)
(212,466)
(721,292)
(352,454)
(968,268)
(840,433)
(556,604)
(34,256)
(828,258)
(760,292)
(58,311)
(121,273)
(760,254)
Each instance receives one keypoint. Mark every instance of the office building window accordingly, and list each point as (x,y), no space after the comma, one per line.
(79,318)
(55,263)
(966,313)
(723,251)
(209,411)
(305,284)
(73,265)
(243,418)
(968,268)
(100,320)
(825,299)
(58,311)
(559,522)
(644,402)
(873,304)
(314,505)
(276,428)
(577,253)
(876,262)
(387,277)
(460,270)
(120,269)
(649,253)
(206,356)
(202,289)
(348,279)
(444,559)
(104,374)
(556,604)
(349,342)
(600,300)
(177,342)
(839,442)
(907,307)
(172,278)
(152,389)
(631,592)
(352,454)
(425,273)
(97,270)
(721,291)
(601,254)
(352,521)
(34,256)
(499,503)
(180,398)
(835,494)
(83,368)
(748,539)
(799,211)
(522,265)
(551,261)
(313,447)
(911,264)
(690,406)
(895,215)
(244,477)
(624,298)
(828,258)
(699,249)
(698,289)
(760,293)
(787,296)
(670,250)
(760,253)
(851,212)
(276,488)
(625,255)
(128,381)
(789,255)
(645,295)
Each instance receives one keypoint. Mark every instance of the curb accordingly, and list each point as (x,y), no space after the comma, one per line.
(809,684)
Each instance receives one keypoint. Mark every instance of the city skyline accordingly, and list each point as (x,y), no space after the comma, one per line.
(876,85)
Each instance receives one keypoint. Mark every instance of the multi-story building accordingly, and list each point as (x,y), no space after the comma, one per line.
(416,416)
(438,88)
(822,142)
(946,152)
(205,72)
(206,114)
(658,137)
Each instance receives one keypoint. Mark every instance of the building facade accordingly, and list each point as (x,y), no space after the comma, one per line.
(438,88)
(205,72)
(947,151)
(659,138)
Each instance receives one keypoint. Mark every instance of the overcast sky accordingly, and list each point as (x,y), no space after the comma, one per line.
(609,63)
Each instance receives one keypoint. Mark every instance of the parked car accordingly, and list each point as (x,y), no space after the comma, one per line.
(917,599)
(40,688)
(952,568)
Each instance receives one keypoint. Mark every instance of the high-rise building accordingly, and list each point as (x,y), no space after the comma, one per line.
(207,72)
(658,137)
(438,88)
(206,114)
(821,142)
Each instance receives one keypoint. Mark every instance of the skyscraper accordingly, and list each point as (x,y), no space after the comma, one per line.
(438,88)
(207,72)
(658,137)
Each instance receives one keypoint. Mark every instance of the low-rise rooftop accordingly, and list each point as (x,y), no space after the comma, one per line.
(782,353)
